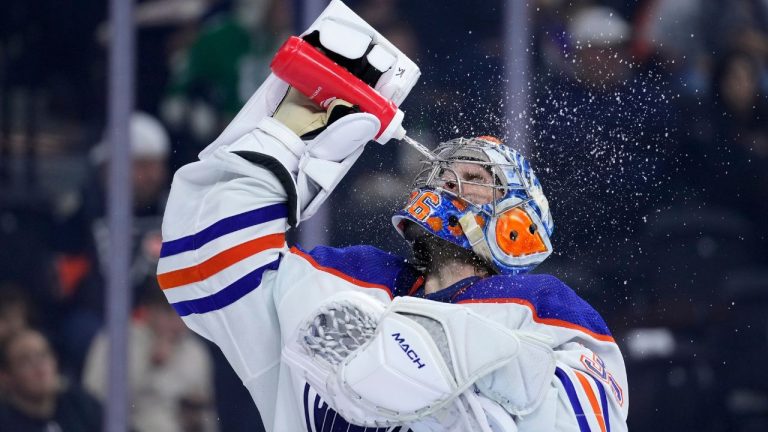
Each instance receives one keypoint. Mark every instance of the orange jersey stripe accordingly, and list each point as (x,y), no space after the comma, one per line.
(416,285)
(592,399)
(219,262)
(337,273)
(547,321)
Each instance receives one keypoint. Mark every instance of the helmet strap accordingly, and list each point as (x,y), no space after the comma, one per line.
(475,236)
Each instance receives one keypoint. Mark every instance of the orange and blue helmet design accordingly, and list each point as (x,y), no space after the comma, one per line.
(510,229)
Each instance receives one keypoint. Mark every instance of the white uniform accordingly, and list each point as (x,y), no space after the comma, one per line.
(226,269)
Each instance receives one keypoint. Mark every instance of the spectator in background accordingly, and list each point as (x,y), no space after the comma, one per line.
(150,147)
(169,371)
(84,232)
(731,166)
(15,310)
(83,237)
(740,108)
(36,398)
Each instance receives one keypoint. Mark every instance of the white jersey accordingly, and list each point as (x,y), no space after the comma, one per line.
(226,268)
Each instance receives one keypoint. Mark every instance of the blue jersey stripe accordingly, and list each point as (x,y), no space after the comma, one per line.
(369,265)
(228,295)
(306,407)
(549,297)
(321,417)
(574,398)
(603,402)
(223,227)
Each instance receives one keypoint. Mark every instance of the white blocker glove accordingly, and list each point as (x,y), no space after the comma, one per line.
(385,366)
(307,148)
(521,385)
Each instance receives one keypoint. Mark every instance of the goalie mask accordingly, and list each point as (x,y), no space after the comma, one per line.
(484,197)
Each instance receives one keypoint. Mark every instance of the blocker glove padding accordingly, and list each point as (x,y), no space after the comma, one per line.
(308,148)
(380,366)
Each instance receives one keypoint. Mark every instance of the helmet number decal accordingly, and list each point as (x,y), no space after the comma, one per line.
(423,204)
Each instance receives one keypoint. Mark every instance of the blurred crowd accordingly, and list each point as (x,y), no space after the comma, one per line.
(646,122)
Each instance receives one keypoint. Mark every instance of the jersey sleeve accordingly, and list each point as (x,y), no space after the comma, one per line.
(223,240)
(226,268)
(588,390)
(590,394)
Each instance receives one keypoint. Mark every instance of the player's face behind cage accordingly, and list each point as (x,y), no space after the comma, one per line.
(482,196)
(463,169)
(470,182)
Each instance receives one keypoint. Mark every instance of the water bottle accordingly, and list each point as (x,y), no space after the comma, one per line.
(319,78)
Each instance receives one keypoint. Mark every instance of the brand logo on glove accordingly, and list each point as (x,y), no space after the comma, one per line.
(408,351)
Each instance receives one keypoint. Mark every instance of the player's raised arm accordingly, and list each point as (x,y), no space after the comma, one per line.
(224,250)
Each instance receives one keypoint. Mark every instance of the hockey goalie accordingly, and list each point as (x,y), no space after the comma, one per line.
(462,337)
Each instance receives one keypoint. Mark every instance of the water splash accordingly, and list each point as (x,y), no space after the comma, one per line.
(421,148)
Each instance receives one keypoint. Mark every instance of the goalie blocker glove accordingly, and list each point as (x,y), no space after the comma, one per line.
(387,366)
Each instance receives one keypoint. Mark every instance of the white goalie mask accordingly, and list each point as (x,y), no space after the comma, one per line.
(509,228)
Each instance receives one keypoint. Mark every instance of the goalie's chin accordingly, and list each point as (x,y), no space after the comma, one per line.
(430,251)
